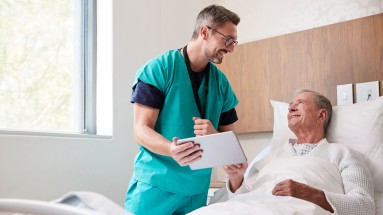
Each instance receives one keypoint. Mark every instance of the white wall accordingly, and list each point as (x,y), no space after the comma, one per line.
(47,167)
(268,18)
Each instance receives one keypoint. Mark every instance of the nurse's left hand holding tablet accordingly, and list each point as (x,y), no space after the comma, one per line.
(185,153)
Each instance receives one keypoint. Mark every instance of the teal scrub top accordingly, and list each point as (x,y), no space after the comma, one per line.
(169,74)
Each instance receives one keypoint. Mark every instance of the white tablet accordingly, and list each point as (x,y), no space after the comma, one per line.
(218,150)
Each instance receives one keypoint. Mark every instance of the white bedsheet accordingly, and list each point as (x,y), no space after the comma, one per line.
(312,171)
(379,203)
(261,203)
(72,203)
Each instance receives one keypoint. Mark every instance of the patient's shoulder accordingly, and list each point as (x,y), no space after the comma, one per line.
(341,148)
(342,155)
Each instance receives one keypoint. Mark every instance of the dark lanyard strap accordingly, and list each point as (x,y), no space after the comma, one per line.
(194,84)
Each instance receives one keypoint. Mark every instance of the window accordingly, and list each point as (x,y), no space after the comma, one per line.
(48,66)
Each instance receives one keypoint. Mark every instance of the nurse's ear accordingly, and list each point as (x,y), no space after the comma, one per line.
(204,32)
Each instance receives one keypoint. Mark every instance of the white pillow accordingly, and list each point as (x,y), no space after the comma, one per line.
(359,126)
(281,131)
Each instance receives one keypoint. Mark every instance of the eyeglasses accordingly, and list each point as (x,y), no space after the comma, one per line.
(229,41)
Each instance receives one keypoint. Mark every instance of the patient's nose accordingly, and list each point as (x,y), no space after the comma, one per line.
(292,108)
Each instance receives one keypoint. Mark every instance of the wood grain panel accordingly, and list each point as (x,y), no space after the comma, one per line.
(317,59)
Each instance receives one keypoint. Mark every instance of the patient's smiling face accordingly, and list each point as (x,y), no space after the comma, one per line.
(303,113)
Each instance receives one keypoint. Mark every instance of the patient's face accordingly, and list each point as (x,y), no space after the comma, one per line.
(303,113)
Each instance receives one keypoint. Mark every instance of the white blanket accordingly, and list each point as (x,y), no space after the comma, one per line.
(315,172)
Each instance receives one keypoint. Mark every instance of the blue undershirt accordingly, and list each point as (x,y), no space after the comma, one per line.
(150,96)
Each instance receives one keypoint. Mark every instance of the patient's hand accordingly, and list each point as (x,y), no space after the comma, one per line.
(298,190)
(185,153)
(235,173)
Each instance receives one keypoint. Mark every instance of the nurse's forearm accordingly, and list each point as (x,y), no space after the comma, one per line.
(151,140)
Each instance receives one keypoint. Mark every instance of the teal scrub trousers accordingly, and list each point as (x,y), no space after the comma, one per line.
(144,199)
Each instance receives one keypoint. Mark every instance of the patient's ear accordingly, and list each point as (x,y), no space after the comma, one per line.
(322,115)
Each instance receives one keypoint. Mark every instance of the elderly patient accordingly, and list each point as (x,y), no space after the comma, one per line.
(330,175)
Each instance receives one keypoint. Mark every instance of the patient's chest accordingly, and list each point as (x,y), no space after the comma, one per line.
(315,172)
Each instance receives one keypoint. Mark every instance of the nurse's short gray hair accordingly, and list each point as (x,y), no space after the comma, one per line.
(214,16)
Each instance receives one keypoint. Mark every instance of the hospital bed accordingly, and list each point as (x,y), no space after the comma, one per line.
(359,126)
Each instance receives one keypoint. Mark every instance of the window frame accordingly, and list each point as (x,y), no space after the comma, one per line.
(87,107)
(89,44)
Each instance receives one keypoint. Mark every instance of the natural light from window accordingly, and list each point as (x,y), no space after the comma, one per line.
(42,63)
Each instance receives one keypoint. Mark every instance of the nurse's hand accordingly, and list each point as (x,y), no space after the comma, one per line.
(203,127)
(235,173)
(185,153)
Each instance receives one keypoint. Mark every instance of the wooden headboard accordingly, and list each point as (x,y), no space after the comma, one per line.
(318,59)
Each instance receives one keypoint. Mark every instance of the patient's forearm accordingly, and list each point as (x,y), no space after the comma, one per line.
(318,197)
(315,196)
(235,184)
